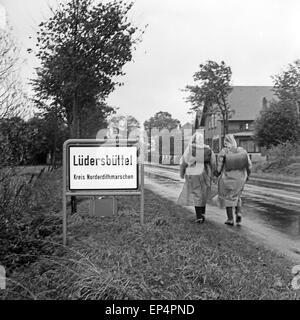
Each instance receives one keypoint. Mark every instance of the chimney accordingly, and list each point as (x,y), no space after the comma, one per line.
(264,103)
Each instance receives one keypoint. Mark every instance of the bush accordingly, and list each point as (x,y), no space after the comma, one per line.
(284,151)
(277,124)
(283,158)
(27,205)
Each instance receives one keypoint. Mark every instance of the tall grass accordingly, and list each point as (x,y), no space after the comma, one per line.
(284,152)
(26,216)
(117,258)
(282,159)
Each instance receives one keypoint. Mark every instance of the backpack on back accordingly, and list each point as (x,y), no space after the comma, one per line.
(237,160)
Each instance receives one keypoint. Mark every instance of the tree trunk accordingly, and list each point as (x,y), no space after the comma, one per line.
(75,124)
(226,124)
(75,135)
(75,120)
(55,140)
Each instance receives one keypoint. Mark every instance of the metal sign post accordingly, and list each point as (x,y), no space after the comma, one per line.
(92,191)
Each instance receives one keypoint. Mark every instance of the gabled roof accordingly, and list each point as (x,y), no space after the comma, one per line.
(187,125)
(247,101)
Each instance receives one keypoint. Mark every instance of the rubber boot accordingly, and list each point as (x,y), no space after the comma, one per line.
(238,216)
(203,212)
(200,214)
(229,212)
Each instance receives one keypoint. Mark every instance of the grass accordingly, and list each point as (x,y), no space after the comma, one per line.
(167,258)
(30,217)
(276,176)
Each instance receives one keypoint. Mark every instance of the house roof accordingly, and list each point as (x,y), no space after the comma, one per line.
(247,101)
(187,125)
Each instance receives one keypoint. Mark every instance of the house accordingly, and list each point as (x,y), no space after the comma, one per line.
(247,102)
(187,126)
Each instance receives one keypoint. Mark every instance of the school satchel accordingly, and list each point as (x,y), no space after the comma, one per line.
(236,161)
(203,153)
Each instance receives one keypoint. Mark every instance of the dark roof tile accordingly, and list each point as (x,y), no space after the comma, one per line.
(247,101)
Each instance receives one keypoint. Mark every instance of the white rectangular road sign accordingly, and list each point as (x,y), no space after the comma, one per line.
(103,168)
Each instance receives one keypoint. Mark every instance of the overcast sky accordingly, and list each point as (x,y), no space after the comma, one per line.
(257,38)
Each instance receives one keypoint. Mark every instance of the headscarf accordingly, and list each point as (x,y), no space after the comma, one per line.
(229,141)
(195,150)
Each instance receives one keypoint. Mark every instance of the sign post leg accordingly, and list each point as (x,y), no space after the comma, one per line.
(64,220)
(142,208)
(142,195)
(64,198)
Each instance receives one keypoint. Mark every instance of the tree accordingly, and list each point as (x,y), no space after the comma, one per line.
(132,123)
(277,124)
(13,103)
(287,86)
(12,141)
(47,133)
(11,93)
(82,49)
(210,95)
(93,118)
(161,120)
(125,124)
(29,142)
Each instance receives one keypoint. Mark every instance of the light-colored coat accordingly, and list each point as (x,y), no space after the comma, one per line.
(231,183)
(198,179)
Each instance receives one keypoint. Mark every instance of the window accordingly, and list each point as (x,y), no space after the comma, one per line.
(247,126)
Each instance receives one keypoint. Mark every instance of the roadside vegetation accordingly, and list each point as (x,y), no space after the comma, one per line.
(29,203)
(116,258)
(277,128)
(283,163)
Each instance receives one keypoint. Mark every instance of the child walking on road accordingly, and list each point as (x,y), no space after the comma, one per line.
(196,166)
(234,168)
